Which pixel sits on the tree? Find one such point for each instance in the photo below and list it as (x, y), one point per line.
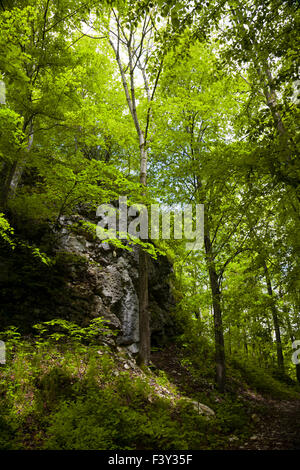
(260, 43)
(36, 52)
(132, 40)
(199, 166)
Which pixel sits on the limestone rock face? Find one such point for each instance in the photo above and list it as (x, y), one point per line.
(88, 279)
(105, 284)
(116, 288)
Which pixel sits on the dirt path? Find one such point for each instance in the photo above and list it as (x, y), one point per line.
(277, 428)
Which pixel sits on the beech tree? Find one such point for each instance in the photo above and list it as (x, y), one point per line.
(34, 51)
(176, 103)
(131, 38)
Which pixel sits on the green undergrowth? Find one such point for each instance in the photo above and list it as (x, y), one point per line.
(197, 355)
(268, 382)
(61, 389)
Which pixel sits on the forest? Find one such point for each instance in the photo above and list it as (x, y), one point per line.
(149, 225)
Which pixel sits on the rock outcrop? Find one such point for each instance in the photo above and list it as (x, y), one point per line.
(88, 279)
(108, 282)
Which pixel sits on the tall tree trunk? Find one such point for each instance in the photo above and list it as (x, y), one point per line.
(288, 146)
(245, 341)
(292, 336)
(144, 320)
(280, 360)
(216, 300)
(271, 101)
(15, 171)
(229, 340)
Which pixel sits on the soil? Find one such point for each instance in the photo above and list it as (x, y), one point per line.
(276, 422)
(278, 429)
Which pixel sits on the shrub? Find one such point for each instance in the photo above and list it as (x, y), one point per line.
(263, 382)
(121, 416)
(53, 387)
(7, 431)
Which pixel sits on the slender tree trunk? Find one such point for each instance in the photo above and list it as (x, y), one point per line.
(216, 300)
(288, 146)
(292, 336)
(271, 101)
(144, 323)
(245, 341)
(298, 372)
(229, 340)
(144, 320)
(15, 171)
(144, 317)
(297, 321)
(280, 360)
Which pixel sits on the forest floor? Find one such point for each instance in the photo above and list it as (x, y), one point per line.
(277, 422)
(278, 429)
